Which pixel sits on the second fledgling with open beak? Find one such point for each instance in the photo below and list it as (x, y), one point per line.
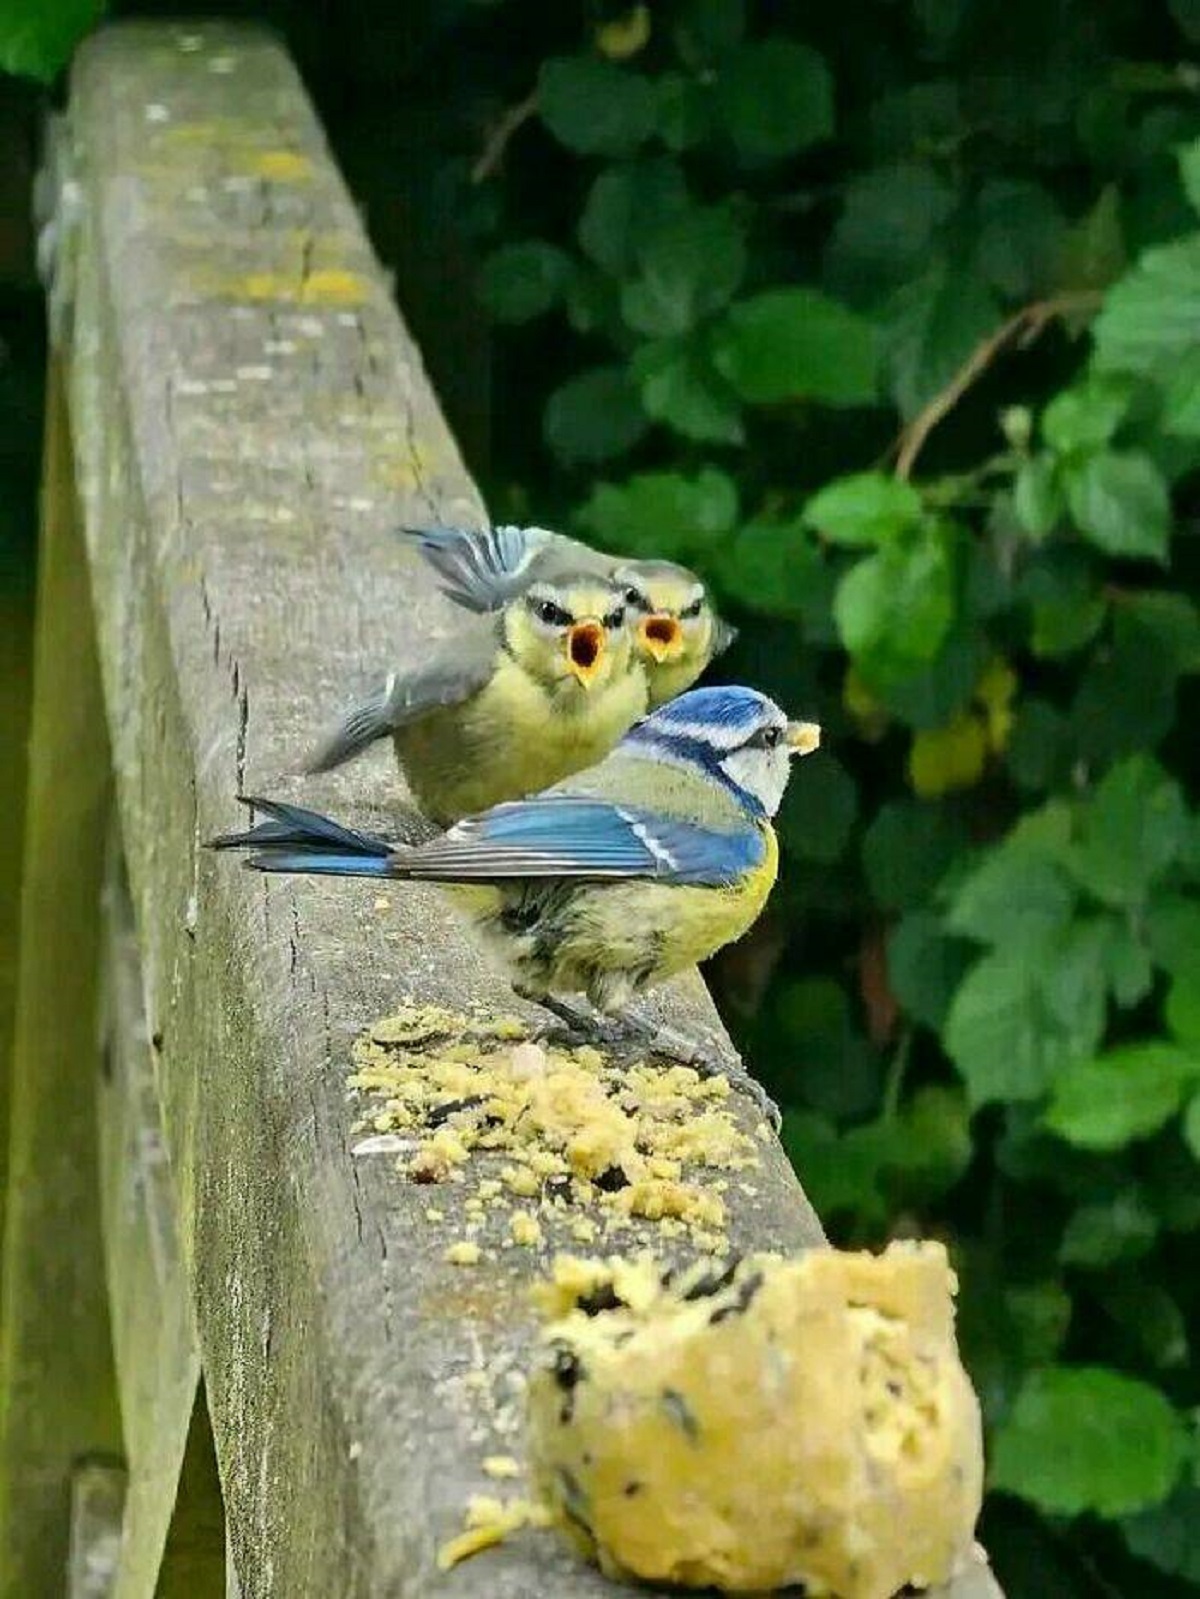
(677, 631)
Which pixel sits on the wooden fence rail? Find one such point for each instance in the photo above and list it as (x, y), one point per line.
(237, 418)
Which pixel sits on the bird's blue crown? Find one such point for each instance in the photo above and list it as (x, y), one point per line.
(700, 728)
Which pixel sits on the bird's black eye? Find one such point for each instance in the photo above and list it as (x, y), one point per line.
(550, 613)
(615, 619)
(636, 598)
(771, 737)
(694, 608)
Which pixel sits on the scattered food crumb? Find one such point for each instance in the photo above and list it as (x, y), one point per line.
(502, 1466)
(488, 1522)
(524, 1229)
(464, 1252)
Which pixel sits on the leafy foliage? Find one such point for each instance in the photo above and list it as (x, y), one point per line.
(907, 304)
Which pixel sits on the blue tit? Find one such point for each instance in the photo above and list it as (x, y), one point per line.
(513, 702)
(676, 630)
(611, 881)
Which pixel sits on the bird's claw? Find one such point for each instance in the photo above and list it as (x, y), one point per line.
(630, 1032)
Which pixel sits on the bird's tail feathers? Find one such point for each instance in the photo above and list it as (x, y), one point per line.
(297, 840)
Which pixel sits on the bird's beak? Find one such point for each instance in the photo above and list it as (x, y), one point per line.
(803, 737)
(585, 650)
(661, 636)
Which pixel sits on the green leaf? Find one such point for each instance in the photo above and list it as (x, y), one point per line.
(36, 38)
(1066, 599)
(685, 111)
(1189, 171)
(1088, 1439)
(1013, 896)
(1119, 501)
(1168, 1536)
(1038, 498)
(689, 266)
(1182, 1010)
(1126, 699)
(818, 811)
(931, 326)
(1181, 398)
(1173, 930)
(886, 228)
(1099, 1235)
(894, 608)
(680, 387)
(1093, 251)
(1020, 236)
(1127, 962)
(595, 107)
(1150, 318)
(1023, 1014)
(1039, 753)
(797, 344)
(1191, 1126)
(624, 205)
(1086, 417)
(925, 967)
(662, 514)
(867, 508)
(1132, 829)
(522, 281)
(775, 567)
(1126, 1094)
(1146, 1313)
(594, 416)
(907, 850)
(775, 97)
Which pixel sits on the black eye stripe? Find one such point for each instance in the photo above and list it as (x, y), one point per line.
(614, 619)
(694, 608)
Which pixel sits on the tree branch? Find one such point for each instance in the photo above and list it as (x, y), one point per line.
(1021, 329)
(493, 150)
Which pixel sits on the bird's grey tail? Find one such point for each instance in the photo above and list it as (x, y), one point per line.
(296, 840)
(365, 724)
(480, 568)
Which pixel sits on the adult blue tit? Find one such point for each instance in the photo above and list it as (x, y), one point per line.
(676, 630)
(511, 703)
(616, 878)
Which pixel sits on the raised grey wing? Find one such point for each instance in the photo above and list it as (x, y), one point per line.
(460, 670)
(480, 568)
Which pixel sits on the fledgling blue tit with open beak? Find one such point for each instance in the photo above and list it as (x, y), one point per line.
(614, 879)
(676, 630)
(513, 702)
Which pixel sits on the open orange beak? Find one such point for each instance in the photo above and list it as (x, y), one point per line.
(585, 650)
(803, 737)
(661, 636)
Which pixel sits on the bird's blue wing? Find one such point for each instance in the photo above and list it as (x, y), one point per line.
(480, 568)
(571, 836)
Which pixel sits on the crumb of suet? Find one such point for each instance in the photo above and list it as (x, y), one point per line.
(527, 1121)
(488, 1522)
(760, 1424)
(464, 1252)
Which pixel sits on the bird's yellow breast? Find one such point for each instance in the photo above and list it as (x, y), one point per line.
(515, 737)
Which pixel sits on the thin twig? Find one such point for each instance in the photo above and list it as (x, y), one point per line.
(497, 140)
(1022, 328)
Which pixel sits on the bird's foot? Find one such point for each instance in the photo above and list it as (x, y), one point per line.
(632, 1032)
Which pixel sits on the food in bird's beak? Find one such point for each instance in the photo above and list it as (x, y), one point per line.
(803, 737)
(661, 636)
(585, 650)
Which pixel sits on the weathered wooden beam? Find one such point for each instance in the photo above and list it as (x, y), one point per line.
(250, 420)
(57, 1397)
